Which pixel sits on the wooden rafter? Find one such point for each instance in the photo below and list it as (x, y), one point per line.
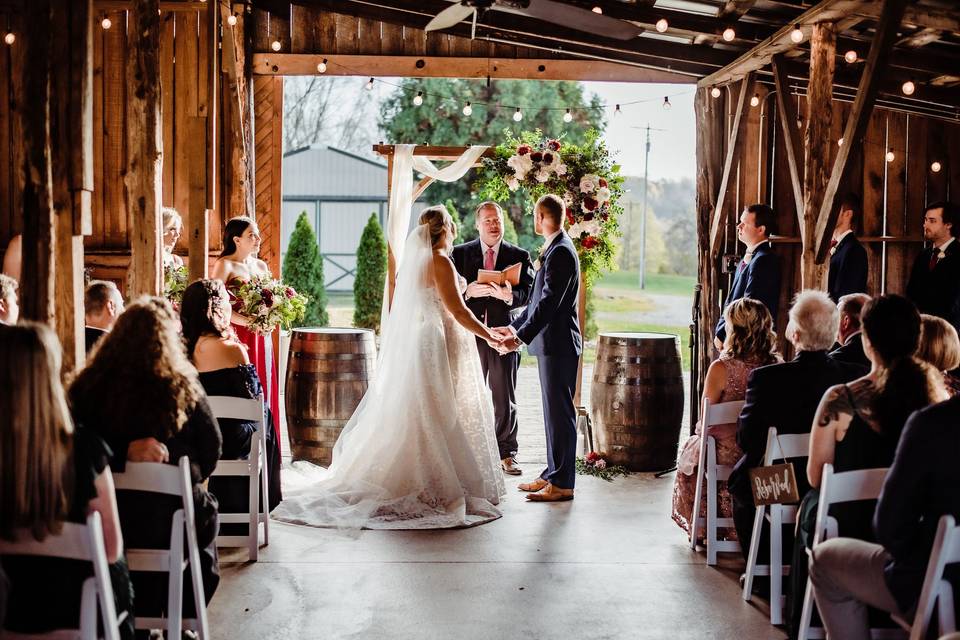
(890, 18)
(787, 115)
(734, 147)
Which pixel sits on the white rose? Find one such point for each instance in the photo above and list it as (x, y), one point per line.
(513, 183)
(592, 227)
(568, 198)
(575, 230)
(588, 183)
(603, 194)
(561, 169)
(542, 176)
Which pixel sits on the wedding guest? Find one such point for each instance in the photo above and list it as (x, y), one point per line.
(849, 346)
(225, 370)
(172, 230)
(940, 346)
(786, 396)
(848, 258)
(53, 472)
(750, 343)
(934, 284)
(13, 257)
(102, 305)
(849, 575)
(142, 395)
(758, 275)
(858, 424)
(9, 304)
(496, 306)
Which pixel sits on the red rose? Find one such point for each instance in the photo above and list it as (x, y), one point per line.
(589, 242)
(588, 217)
(536, 156)
(590, 204)
(602, 182)
(604, 216)
(570, 219)
(548, 158)
(592, 457)
(290, 292)
(553, 145)
(523, 149)
(267, 297)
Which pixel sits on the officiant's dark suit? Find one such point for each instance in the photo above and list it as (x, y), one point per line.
(848, 268)
(500, 371)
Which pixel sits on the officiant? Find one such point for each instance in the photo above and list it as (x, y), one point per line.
(496, 306)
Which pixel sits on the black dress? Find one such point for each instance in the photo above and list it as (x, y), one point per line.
(45, 592)
(233, 493)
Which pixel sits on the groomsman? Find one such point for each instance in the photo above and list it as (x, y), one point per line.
(848, 258)
(496, 306)
(934, 284)
(758, 274)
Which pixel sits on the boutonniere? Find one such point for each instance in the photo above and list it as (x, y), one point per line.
(833, 249)
(536, 264)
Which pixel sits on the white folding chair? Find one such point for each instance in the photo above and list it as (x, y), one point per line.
(782, 447)
(75, 542)
(175, 481)
(708, 470)
(255, 468)
(837, 488)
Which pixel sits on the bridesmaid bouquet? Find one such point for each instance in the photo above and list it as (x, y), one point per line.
(174, 282)
(269, 304)
(595, 464)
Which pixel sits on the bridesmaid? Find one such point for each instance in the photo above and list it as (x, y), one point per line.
(237, 264)
(172, 230)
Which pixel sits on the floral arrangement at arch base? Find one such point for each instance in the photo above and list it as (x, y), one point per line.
(595, 464)
(584, 176)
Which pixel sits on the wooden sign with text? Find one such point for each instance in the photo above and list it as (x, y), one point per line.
(775, 484)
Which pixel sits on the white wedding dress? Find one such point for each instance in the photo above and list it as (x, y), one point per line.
(420, 450)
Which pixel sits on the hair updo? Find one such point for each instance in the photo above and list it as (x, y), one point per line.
(436, 218)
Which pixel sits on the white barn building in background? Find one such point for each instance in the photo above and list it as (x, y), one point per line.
(338, 190)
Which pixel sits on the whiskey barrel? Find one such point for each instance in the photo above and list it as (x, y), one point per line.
(636, 399)
(328, 371)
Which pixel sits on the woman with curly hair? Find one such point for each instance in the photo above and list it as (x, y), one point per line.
(750, 343)
(142, 396)
(940, 347)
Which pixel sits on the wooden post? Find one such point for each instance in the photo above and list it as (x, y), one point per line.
(816, 147)
(787, 115)
(391, 259)
(734, 147)
(237, 122)
(198, 216)
(144, 147)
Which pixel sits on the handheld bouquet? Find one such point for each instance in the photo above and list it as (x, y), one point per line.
(174, 282)
(269, 304)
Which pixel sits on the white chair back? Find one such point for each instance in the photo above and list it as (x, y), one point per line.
(720, 413)
(75, 542)
(937, 591)
(786, 446)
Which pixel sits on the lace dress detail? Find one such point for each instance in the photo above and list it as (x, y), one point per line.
(684, 488)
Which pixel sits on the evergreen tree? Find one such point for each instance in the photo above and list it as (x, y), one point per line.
(303, 270)
(371, 274)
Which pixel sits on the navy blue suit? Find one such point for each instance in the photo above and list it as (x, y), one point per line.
(550, 328)
(937, 292)
(848, 268)
(759, 279)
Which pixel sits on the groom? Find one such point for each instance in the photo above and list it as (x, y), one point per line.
(551, 330)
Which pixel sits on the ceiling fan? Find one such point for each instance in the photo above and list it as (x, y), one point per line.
(566, 15)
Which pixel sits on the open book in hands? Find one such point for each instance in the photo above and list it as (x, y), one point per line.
(511, 274)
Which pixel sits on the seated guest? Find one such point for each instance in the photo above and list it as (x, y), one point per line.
(102, 304)
(934, 284)
(849, 337)
(758, 275)
(750, 343)
(940, 346)
(142, 395)
(786, 396)
(848, 258)
(850, 575)
(858, 424)
(9, 306)
(172, 230)
(225, 370)
(13, 257)
(53, 473)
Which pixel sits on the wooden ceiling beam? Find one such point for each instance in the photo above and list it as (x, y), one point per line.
(735, 9)
(933, 18)
(920, 38)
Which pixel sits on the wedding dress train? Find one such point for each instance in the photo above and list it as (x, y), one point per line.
(420, 450)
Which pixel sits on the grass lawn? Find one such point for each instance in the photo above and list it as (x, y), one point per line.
(628, 281)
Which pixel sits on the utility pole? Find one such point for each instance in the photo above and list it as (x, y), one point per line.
(643, 214)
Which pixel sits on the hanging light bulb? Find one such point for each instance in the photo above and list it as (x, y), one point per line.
(662, 25)
(666, 103)
(715, 92)
(467, 109)
(935, 166)
(617, 111)
(10, 38)
(729, 34)
(322, 67)
(850, 56)
(275, 45)
(890, 155)
(598, 9)
(568, 117)
(517, 115)
(908, 88)
(369, 85)
(797, 34)
(232, 20)
(418, 99)
(106, 23)
(755, 100)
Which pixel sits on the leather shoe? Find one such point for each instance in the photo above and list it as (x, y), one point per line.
(509, 466)
(551, 493)
(536, 485)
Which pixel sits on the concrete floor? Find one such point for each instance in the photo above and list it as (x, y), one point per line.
(610, 564)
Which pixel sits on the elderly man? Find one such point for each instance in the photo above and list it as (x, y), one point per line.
(9, 308)
(850, 334)
(102, 304)
(786, 396)
(496, 306)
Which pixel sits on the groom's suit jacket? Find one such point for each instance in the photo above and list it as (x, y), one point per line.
(468, 260)
(549, 326)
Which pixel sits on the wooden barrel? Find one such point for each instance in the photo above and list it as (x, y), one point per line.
(328, 371)
(636, 399)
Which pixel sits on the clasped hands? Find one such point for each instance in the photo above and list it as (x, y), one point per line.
(477, 290)
(507, 340)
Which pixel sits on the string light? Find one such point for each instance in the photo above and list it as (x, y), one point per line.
(467, 110)
(890, 155)
(617, 111)
(369, 85)
(908, 88)
(935, 167)
(106, 23)
(322, 67)
(666, 103)
(10, 38)
(232, 20)
(850, 56)
(840, 142)
(517, 115)
(797, 34)
(275, 45)
(568, 117)
(715, 92)
(662, 25)
(418, 99)
(598, 9)
(729, 34)
(755, 100)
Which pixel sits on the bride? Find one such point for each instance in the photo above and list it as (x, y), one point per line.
(420, 451)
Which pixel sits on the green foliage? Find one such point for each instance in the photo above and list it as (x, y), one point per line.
(590, 328)
(510, 231)
(371, 273)
(303, 270)
(452, 210)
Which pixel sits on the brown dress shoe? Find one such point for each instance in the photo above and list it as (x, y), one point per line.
(551, 494)
(536, 485)
(510, 467)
